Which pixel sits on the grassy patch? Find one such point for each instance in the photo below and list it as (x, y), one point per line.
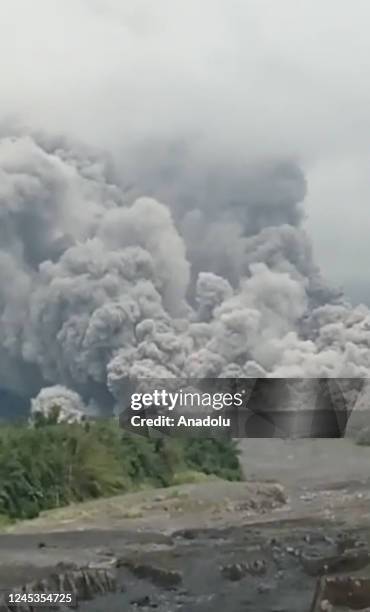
(191, 476)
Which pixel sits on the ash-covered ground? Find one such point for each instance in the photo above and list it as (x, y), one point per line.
(247, 546)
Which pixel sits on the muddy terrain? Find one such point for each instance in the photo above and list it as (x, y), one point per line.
(245, 546)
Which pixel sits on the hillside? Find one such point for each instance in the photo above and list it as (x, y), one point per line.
(50, 466)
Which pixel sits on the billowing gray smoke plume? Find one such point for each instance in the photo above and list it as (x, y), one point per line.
(165, 267)
(58, 403)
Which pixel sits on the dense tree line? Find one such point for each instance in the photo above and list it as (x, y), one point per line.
(47, 465)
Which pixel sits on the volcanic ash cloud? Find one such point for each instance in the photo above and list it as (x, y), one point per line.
(209, 274)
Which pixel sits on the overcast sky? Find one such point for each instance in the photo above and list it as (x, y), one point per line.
(250, 78)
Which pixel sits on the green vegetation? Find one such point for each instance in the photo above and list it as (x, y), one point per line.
(213, 456)
(49, 466)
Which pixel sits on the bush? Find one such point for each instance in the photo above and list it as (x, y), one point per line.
(53, 465)
(191, 477)
(213, 456)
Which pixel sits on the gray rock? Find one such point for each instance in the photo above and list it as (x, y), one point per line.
(161, 577)
(234, 571)
(257, 567)
(347, 561)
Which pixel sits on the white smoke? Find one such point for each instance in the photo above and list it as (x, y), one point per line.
(102, 285)
(58, 402)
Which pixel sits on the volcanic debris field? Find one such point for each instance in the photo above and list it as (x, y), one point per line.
(255, 545)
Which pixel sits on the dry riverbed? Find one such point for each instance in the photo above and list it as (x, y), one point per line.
(196, 548)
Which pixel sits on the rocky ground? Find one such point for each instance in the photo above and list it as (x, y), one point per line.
(248, 546)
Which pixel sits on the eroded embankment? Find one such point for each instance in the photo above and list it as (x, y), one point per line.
(269, 567)
(83, 584)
